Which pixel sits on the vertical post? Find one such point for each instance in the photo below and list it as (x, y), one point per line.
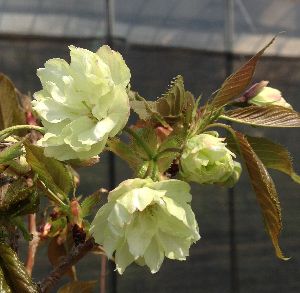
(110, 20)
(228, 44)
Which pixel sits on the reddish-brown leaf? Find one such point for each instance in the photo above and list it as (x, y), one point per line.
(237, 83)
(267, 116)
(265, 190)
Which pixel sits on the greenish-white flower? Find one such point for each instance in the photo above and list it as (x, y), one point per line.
(269, 96)
(145, 221)
(207, 160)
(235, 175)
(83, 103)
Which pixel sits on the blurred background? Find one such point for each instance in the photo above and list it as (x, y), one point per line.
(203, 40)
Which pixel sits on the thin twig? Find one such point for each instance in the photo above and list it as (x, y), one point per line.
(33, 244)
(75, 255)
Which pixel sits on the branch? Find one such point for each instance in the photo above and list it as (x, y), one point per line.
(75, 255)
(33, 244)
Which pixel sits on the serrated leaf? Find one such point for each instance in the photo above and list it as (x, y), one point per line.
(169, 150)
(265, 190)
(146, 110)
(53, 173)
(11, 152)
(4, 287)
(11, 194)
(148, 135)
(10, 110)
(15, 270)
(90, 202)
(27, 206)
(273, 156)
(267, 116)
(124, 151)
(78, 286)
(171, 104)
(236, 83)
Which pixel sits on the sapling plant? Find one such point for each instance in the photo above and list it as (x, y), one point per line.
(81, 111)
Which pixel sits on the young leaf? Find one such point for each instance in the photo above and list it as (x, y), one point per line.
(236, 83)
(146, 110)
(171, 104)
(124, 151)
(53, 173)
(10, 111)
(265, 190)
(78, 286)
(273, 156)
(169, 150)
(11, 152)
(90, 202)
(19, 222)
(11, 194)
(267, 116)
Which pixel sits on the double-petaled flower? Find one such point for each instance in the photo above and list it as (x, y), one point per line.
(145, 221)
(83, 103)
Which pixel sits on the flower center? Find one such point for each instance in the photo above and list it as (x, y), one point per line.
(90, 114)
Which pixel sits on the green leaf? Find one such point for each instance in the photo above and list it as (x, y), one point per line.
(124, 151)
(10, 110)
(18, 221)
(4, 287)
(90, 202)
(236, 83)
(148, 136)
(146, 110)
(169, 150)
(53, 173)
(265, 190)
(17, 274)
(11, 152)
(78, 286)
(176, 105)
(11, 194)
(273, 156)
(267, 116)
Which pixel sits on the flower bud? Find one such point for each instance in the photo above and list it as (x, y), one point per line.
(269, 96)
(145, 221)
(206, 160)
(260, 94)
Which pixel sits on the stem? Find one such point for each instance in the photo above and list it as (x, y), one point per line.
(33, 244)
(103, 274)
(51, 195)
(75, 255)
(140, 142)
(8, 131)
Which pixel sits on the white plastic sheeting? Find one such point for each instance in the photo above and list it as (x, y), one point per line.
(197, 24)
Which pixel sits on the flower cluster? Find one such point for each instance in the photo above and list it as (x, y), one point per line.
(145, 221)
(83, 103)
